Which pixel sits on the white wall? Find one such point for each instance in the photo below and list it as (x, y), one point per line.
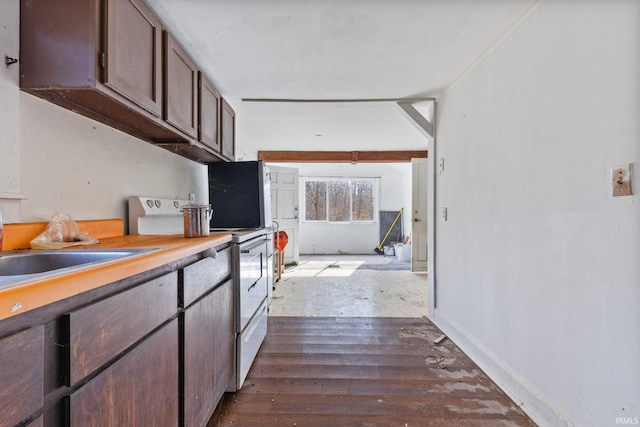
(538, 272)
(61, 161)
(395, 193)
(9, 113)
(76, 165)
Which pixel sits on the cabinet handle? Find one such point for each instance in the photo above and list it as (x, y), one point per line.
(251, 249)
(211, 253)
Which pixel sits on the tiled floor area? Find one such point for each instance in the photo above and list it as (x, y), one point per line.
(350, 286)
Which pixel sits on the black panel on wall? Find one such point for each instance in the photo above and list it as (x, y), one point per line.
(386, 219)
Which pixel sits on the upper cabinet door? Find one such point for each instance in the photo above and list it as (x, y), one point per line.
(181, 88)
(209, 110)
(228, 132)
(133, 62)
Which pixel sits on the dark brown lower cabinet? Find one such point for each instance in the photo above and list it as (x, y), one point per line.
(208, 353)
(224, 338)
(100, 331)
(140, 389)
(152, 350)
(21, 375)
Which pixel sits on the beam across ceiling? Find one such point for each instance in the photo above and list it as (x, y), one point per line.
(418, 119)
(339, 100)
(341, 156)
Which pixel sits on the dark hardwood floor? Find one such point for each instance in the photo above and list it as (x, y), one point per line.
(346, 371)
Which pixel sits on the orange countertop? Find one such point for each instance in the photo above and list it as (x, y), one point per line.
(21, 298)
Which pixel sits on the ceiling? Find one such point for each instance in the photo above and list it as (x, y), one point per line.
(259, 53)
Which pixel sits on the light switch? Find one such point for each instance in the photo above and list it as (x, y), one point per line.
(444, 214)
(621, 180)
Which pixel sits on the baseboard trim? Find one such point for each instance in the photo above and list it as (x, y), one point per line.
(540, 409)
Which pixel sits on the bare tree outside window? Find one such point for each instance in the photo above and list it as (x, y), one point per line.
(315, 196)
(362, 200)
(340, 200)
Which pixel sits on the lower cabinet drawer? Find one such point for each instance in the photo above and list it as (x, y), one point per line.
(202, 276)
(141, 389)
(103, 330)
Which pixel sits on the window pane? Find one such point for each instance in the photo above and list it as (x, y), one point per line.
(362, 200)
(339, 201)
(315, 195)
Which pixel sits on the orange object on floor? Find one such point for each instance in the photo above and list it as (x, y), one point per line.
(280, 240)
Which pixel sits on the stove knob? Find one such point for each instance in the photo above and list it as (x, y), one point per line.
(176, 204)
(158, 204)
(150, 203)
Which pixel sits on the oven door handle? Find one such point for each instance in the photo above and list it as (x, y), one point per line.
(251, 249)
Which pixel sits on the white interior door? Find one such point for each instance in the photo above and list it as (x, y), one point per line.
(419, 215)
(284, 207)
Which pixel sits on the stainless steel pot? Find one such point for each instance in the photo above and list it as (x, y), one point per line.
(196, 219)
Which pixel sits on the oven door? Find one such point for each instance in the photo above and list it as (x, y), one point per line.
(253, 280)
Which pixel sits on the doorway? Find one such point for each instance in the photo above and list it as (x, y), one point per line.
(285, 208)
(338, 273)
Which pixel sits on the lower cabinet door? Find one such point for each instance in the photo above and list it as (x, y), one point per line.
(21, 375)
(140, 389)
(225, 339)
(208, 354)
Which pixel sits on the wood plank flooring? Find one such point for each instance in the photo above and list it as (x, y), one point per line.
(360, 371)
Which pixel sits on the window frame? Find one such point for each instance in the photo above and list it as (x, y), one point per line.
(376, 199)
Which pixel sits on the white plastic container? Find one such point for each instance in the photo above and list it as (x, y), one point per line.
(403, 252)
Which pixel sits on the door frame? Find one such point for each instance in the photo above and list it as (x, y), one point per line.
(432, 173)
(293, 245)
(419, 195)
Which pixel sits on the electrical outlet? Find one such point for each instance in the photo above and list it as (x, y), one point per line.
(621, 180)
(444, 214)
(192, 197)
(441, 165)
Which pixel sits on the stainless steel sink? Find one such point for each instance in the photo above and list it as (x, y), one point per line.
(18, 267)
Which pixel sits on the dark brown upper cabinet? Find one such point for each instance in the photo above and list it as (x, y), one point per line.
(132, 54)
(209, 112)
(104, 63)
(228, 131)
(181, 88)
(104, 59)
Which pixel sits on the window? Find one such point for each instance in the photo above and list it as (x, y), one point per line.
(315, 196)
(339, 200)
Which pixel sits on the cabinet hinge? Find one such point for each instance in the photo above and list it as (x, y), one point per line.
(101, 60)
